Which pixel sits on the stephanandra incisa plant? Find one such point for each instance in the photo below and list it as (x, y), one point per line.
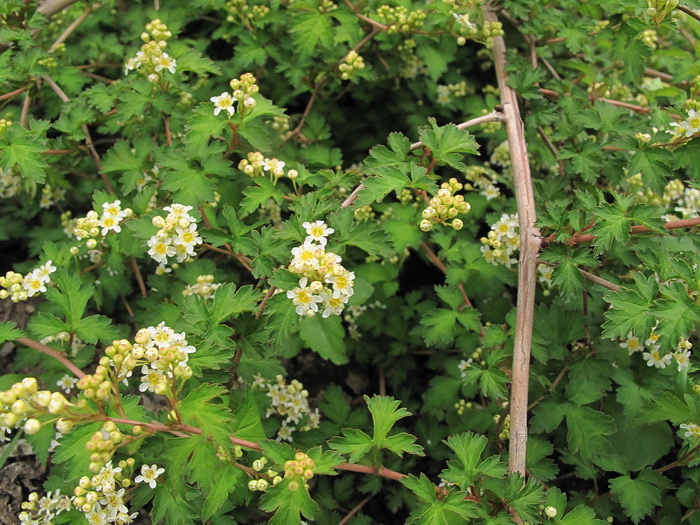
(221, 309)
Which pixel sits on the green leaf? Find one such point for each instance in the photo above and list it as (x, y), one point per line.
(469, 466)
(9, 332)
(282, 317)
(655, 166)
(354, 442)
(631, 309)
(70, 296)
(226, 481)
(365, 235)
(434, 509)
(639, 496)
(258, 195)
(229, 302)
(440, 326)
(289, 505)
(448, 143)
(326, 337)
(310, 30)
(247, 423)
(385, 413)
(96, 328)
(131, 164)
(24, 151)
(197, 409)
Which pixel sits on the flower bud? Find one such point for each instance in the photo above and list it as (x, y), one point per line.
(426, 225)
(457, 224)
(32, 426)
(550, 512)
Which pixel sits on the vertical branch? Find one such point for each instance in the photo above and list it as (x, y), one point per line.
(527, 265)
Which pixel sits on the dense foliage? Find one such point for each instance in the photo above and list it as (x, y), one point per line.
(256, 297)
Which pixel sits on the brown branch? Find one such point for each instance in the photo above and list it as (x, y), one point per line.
(263, 303)
(51, 7)
(74, 25)
(599, 280)
(13, 93)
(25, 110)
(529, 248)
(59, 356)
(441, 266)
(88, 138)
(307, 110)
(680, 461)
(168, 136)
(215, 249)
(366, 469)
(355, 509)
(351, 198)
(688, 12)
(57, 151)
(670, 225)
(139, 278)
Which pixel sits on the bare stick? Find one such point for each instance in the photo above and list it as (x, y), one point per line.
(74, 25)
(599, 280)
(13, 93)
(25, 110)
(688, 12)
(355, 509)
(529, 248)
(139, 279)
(351, 198)
(51, 7)
(59, 356)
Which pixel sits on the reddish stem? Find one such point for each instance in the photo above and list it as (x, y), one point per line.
(59, 356)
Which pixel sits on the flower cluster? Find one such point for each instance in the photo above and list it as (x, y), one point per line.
(205, 287)
(461, 406)
(503, 241)
(10, 183)
(445, 92)
(177, 236)
(4, 124)
(257, 164)
(261, 484)
(241, 11)
(654, 356)
(243, 90)
(152, 58)
(353, 314)
(20, 287)
(95, 227)
(681, 200)
(692, 431)
(484, 179)
(42, 510)
(544, 276)
(324, 280)
(51, 196)
(102, 445)
(291, 402)
(399, 19)
(103, 497)
(350, 65)
(24, 403)
(301, 468)
(445, 206)
(659, 9)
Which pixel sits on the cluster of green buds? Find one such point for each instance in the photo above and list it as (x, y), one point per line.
(489, 31)
(660, 9)
(4, 124)
(102, 445)
(241, 11)
(10, 182)
(97, 386)
(48, 62)
(301, 468)
(20, 287)
(462, 405)
(225, 457)
(350, 65)
(152, 58)
(243, 90)
(280, 123)
(505, 426)
(51, 196)
(24, 403)
(650, 38)
(205, 287)
(263, 481)
(462, 4)
(446, 92)
(326, 6)
(445, 206)
(399, 20)
(364, 213)
(257, 164)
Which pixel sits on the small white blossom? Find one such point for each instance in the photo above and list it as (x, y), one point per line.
(149, 475)
(223, 102)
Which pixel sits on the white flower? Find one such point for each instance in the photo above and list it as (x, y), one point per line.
(632, 343)
(150, 379)
(149, 475)
(166, 62)
(67, 383)
(285, 432)
(95, 517)
(463, 20)
(114, 209)
(655, 359)
(223, 101)
(161, 249)
(303, 298)
(109, 222)
(34, 283)
(131, 64)
(305, 256)
(188, 237)
(490, 192)
(342, 284)
(692, 124)
(333, 305)
(682, 358)
(45, 271)
(317, 232)
(692, 430)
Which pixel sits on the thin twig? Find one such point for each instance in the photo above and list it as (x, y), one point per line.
(263, 303)
(74, 25)
(351, 198)
(529, 248)
(51, 7)
(441, 266)
(688, 12)
(59, 356)
(670, 225)
(307, 110)
(13, 93)
(494, 116)
(355, 509)
(168, 135)
(25, 110)
(599, 280)
(139, 278)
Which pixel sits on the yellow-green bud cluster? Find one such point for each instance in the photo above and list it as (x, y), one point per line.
(20, 287)
(205, 287)
(326, 6)
(24, 403)
(502, 241)
(444, 207)
(406, 197)
(103, 493)
(225, 457)
(280, 123)
(650, 38)
(102, 445)
(301, 469)
(50, 196)
(257, 164)
(501, 155)
(399, 19)
(461, 406)
(350, 65)
(446, 92)
(484, 179)
(152, 58)
(489, 31)
(271, 477)
(505, 427)
(10, 182)
(462, 4)
(660, 9)
(97, 386)
(364, 213)
(44, 509)
(241, 11)
(4, 124)
(243, 90)
(49, 62)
